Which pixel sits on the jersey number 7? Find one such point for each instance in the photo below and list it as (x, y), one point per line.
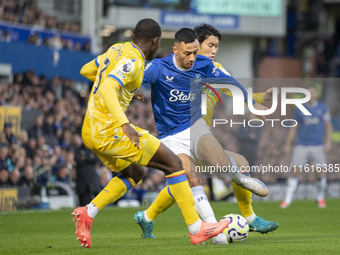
(106, 64)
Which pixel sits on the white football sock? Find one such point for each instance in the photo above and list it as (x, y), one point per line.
(202, 205)
(251, 218)
(146, 217)
(92, 210)
(292, 183)
(195, 227)
(322, 186)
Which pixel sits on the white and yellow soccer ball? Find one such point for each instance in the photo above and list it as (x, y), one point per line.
(238, 228)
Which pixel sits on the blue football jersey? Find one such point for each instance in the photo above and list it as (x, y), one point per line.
(177, 105)
(311, 128)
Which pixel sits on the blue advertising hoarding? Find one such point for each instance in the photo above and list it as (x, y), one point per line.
(188, 19)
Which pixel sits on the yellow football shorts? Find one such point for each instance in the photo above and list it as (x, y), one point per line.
(117, 152)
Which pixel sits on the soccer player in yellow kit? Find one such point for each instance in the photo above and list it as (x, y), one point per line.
(209, 39)
(123, 147)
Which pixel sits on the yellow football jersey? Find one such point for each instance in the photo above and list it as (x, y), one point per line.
(125, 64)
(211, 101)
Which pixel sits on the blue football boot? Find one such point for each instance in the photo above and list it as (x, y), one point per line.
(262, 226)
(146, 227)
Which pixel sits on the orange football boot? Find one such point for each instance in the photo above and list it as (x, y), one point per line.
(208, 230)
(83, 224)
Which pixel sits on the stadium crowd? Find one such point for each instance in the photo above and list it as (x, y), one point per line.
(46, 152)
(28, 13)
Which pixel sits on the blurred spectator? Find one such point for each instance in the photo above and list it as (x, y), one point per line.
(6, 36)
(56, 43)
(77, 46)
(26, 180)
(88, 185)
(9, 134)
(34, 39)
(49, 130)
(36, 131)
(86, 47)
(5, 160)
(14, 178)
(63, 173)
(30, 147)
(4, 174)
(22, 137)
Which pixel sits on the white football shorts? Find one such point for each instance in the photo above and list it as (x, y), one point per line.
(186, 141)
(308, 154)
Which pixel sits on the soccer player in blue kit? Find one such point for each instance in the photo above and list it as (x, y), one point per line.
(176, 106)
(122, 147)
(313, 141)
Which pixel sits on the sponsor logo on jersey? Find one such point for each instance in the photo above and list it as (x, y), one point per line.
(169, 79)
(119, 73)
(311, 121)
(180, 96)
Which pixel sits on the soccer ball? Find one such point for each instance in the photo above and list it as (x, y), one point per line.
(237, 230)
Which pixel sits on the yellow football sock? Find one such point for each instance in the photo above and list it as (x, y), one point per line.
(179, 188)
(114, 190)
(243, 197)
(163, 201)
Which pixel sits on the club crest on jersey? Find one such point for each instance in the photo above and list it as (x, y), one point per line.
(126, 67)
(198, 78)
(216, 71)
(169, 79)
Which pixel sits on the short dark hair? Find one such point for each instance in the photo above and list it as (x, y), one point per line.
(203, 31)
(147, 29)
(186, 35)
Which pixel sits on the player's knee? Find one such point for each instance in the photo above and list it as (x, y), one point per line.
(193, 182)
(175, 165)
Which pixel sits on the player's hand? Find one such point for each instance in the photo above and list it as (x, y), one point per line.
(268, 95)
(139, 97)
(261, 107)
(132, 134)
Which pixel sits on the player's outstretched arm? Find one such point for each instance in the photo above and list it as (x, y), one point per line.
(89, 70)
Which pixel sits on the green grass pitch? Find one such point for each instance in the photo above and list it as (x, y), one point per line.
(304, 229)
